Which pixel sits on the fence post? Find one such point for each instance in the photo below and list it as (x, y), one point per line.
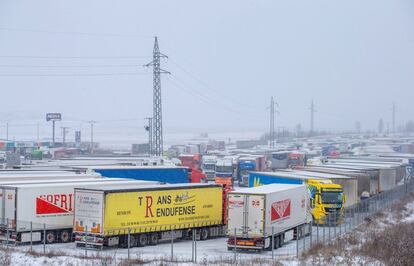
(7, 231)
(172, 243)
(129, 241)
(44, 238)
(273, 242)
(317, 232)
(195, 245)
(86, 242)
(310, 236)
(235, 245)
(192, 246)
(329, 229)
(31, 236)
(323, 229)
(297, 241)
(302, 228)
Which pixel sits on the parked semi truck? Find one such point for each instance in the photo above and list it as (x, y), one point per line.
(49, 207)
(258, 215)
(192, 161)
(208, 166)
(224, 172)
(327, 199)
(249, 164)
(104, 216)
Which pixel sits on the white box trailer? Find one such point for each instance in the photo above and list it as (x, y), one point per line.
(49, 181)
(349, 184)
(45, 207)
(47, 176)
(259, 215)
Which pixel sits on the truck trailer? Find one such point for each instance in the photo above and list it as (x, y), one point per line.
(44, 208)
(165, 174)
(259, 217)
(327, 198)
(104, 216)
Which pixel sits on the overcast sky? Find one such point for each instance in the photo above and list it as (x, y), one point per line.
(227, 58)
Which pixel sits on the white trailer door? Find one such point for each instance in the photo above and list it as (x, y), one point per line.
(236, 214)
(255, 215)
(89, 214)
(10, 206)
(245, 215)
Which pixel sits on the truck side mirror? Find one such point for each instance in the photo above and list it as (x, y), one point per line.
(312, 203)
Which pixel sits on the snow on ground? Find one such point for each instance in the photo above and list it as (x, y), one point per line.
(209, 251)
(409, 213)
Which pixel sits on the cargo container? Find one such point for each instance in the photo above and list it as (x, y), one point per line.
(387, 174)
(349, 184)
(363, 179)
(44, 206)
(165, 174)
(104, 216)
(258, 215)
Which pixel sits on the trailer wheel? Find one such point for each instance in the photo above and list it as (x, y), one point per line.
(276, 245)
(64, 236)
(142, 240)
(153, 239)
(282, 240)
(50, 237)
(204, 233)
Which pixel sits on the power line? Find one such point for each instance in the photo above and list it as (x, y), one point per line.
(77, 33)
(74, 57)
(208, 100)
(194, 77)
(73, 75)
(67, 66)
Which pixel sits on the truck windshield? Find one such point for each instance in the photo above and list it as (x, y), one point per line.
(224, 169)
(209, 166)
(332, 197)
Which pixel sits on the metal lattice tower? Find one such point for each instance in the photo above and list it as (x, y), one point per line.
(393, 118)
(312, 109)
(272, 123)
(157, 141)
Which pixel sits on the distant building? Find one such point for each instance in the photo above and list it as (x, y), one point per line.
(142, 148)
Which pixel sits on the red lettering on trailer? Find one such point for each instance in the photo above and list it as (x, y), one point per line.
(63, 203)
(148, 207)
(280, 210)
(70, 202)
(54, 204)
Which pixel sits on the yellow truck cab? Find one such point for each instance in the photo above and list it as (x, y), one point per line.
(327, 201)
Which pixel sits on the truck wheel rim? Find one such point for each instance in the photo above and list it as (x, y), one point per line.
(50, 238)
(64, 236)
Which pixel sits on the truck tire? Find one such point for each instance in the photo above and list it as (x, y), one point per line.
(282, 240)
(142, 240)
(50, 237)
(153, 239)
(65, 236)
(277, 242)
(204, 233)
